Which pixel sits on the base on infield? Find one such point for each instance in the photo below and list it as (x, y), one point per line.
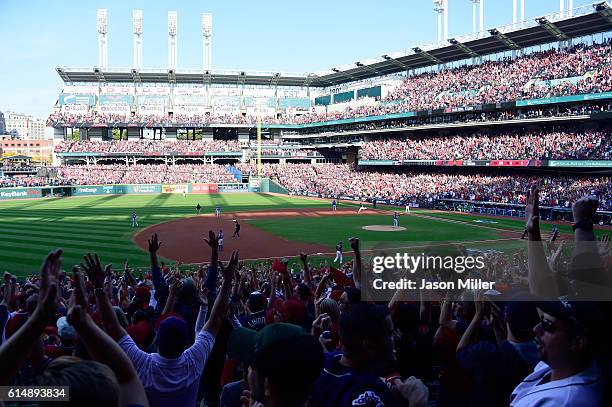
(384, 228)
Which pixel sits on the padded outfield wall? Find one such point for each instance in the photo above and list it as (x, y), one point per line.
(264, 185)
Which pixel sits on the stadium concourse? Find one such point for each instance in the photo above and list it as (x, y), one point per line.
(523, 135)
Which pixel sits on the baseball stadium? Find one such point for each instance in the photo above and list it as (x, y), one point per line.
(496, 145)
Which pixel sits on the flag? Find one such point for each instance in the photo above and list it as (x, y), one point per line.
(340, 278)
(279, 266)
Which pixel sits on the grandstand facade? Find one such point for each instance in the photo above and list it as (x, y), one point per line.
(519, 99)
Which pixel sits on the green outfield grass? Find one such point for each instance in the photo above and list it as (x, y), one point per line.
(502, 223)
(31, 228)
(333, 229)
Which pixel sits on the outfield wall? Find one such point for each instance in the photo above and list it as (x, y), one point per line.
(20, 193)
(255, 185)
(268, 185)
(121, 189)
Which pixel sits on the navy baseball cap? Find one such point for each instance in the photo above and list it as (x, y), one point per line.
(256, 301)
(172, 335)
(586, 316)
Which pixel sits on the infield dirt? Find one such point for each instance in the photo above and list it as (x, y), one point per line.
(182, 239)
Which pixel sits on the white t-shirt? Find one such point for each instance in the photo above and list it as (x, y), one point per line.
(583, 389)
(171, 382)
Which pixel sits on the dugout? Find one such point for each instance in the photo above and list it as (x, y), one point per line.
(56, 192)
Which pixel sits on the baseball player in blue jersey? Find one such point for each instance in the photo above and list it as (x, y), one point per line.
(395, 219)
(217, 211)
(334, 205)
(134, 221)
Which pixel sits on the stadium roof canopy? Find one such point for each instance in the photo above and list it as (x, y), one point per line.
(586, 20)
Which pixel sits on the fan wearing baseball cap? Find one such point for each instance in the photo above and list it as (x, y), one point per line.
(567, 374)
(284, 363)
(172, 375)
(353, 378)
(256, 307)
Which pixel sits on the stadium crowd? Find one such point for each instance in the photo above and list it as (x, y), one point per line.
(303, 334)
(509, 79)
(545, 143)
(343, 180)
(175, 147)
(28, 181)
(148, 146)
(144, 174)
(468, 116)
(285, 152)
(581, 69)
(557, 144)
(94, 119)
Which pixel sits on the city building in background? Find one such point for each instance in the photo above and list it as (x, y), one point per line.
(39, 150)
(2, 124)
(24, 127)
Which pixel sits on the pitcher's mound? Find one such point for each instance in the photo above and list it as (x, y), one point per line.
(384, 228)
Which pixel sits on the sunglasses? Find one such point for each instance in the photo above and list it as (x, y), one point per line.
(547, 325)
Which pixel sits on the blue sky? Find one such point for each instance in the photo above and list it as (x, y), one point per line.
(295, 36)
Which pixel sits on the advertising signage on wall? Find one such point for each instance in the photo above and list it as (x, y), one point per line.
(116, 99)
(580, 163)
(460, 163)
(204, 188)
(94, 190)
(77, 99)
(144, 189)
(564, 99)
(238, 188)
(515, 163)
(20, 193)
(175, 189)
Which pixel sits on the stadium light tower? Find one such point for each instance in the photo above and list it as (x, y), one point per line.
(441, 7)
(137, 31)
(522, 13)
(563, 10)
(207, 40)
(172, 28)
(477, 4)
(102, 18)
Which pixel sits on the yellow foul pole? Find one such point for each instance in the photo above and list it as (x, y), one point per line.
(259, 143)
